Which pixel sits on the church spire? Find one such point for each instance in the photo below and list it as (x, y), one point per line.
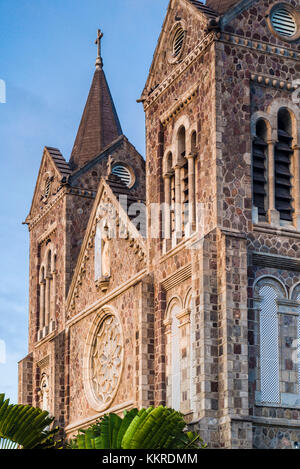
(100, 124)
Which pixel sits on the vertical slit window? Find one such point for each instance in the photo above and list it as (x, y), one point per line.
(283, 160)
(259, 164)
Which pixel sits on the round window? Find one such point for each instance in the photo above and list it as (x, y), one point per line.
(123, 173)
(178, 42)
(284, 22)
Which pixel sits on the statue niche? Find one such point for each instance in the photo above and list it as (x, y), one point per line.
(102, 256)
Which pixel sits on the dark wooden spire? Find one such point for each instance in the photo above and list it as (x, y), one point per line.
(100, 124)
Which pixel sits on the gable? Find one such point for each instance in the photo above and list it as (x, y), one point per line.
(127, 251)
(53, 170)
(194, 19)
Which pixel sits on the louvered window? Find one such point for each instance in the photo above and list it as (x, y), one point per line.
(123, 173)
(178, 42)
(47, 188)
(283, 176)
(259, 164)
(283, 22)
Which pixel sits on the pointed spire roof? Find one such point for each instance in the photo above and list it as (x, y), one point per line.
(100, 124)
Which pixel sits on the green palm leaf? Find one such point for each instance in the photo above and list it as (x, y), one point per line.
(25, 427)
(152, 428)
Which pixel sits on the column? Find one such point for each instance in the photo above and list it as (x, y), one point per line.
(167, 211)
(47, 301)
(178, 230)
(192, 192)
(53, 301)
(296, 188)
(42, 304)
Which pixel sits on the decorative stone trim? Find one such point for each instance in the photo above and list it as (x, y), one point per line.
(44, 237)
(45, 339)
(44, 362)
(83, 423)
(186, 99)
(176, 279)
(275, 262)
(66, 190)
(273, 82)
(184, 317)
(197, 52)
(102, 284)
(259, 45)
(106, 299)
(125, 226)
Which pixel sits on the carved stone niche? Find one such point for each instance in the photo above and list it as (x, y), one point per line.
(102, 284)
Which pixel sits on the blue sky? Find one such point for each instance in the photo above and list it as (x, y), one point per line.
(47, 57)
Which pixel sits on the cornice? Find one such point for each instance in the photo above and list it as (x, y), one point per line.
(66, 190)
(224, 37)
(260, 46)
(273, 82)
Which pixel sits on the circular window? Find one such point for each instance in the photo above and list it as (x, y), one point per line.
(284, 22)
(178, 42)
(123, 173)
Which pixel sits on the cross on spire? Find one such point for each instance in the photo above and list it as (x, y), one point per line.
(99, 61)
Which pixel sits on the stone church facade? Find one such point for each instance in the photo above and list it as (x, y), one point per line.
(176, 281)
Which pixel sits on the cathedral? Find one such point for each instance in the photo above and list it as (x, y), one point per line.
(175, 280)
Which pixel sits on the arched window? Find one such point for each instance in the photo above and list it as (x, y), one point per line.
(269, 347)
(47, 294)
(173, 378)
(178, 348)
(283, 170)
(259, 168)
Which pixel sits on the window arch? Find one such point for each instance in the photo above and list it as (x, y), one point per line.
(259, 168)
(283, 166)
(178, 353)
(278, 366)
(47, 293)
(269, 291)
(180, 183)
